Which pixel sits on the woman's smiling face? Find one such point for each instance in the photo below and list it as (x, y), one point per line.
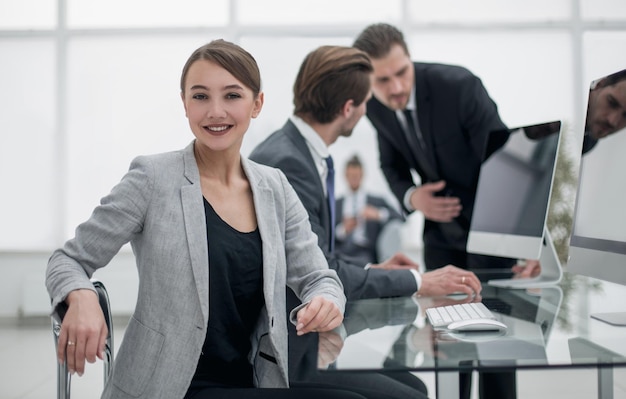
(218, 106)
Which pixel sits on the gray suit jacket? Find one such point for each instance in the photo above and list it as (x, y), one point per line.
(287, 150)
(158, 208)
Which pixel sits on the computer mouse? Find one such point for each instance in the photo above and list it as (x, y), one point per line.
(477, 325)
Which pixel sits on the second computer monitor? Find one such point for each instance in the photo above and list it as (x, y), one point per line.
(513, 195)
(598, 241)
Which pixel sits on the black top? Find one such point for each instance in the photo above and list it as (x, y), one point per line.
(235, 301)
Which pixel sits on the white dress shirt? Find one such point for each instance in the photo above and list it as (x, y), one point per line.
(317, 147)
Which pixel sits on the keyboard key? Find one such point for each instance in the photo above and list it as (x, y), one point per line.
(462, 312)
(445, 315)
(482, 310)
(454, 314)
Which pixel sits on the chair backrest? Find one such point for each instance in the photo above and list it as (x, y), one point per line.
(64, 378)
(389, 240)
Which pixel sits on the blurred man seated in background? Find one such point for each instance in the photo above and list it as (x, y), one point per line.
(362, 217)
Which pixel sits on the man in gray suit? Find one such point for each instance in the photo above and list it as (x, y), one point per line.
(330, 95)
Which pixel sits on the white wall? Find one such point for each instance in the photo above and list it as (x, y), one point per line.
(23, 293)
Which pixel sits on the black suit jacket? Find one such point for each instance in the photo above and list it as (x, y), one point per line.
(456, 116)
(373, 228)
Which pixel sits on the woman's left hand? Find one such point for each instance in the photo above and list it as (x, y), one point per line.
(320, 314)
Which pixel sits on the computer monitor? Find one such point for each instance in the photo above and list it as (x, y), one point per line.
(598, 239)
(512, 199)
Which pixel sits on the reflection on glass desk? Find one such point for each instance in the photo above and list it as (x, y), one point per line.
(547, 328)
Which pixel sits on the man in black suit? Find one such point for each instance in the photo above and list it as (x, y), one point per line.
(330, 95)
(361, 217)
(436, 120)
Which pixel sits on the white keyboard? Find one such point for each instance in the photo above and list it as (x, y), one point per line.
(442, 316)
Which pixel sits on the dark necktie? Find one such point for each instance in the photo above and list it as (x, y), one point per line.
(413, 132)
(330, 189)
(418, 145)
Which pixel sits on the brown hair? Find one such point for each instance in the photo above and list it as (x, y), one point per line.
(612, 79)
(377, 39)
(328, 77)
(231, 57)
(354, 162)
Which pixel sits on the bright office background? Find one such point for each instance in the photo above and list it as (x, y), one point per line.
(86, 85)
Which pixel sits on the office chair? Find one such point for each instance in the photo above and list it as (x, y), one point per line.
(64, 378)
(389, 241)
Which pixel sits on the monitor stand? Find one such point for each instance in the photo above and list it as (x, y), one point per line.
(551, 270)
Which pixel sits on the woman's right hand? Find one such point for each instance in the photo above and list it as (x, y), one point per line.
(83, 331)
(319, 315)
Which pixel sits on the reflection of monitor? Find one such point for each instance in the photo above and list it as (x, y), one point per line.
(529, 316)
(512, 198)
(598, 241)
(539, 306)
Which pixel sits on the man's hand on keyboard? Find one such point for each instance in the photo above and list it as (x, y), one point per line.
(449, 280)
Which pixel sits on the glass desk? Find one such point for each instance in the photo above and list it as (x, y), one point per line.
(547, 328)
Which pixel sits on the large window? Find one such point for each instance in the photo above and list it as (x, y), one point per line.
(89, 84)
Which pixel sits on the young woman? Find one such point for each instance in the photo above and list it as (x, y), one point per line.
(217, 238)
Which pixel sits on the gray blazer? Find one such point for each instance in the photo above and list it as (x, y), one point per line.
(158, 208)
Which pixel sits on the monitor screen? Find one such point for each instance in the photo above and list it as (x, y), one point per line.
(513, 194)
(598, 240)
